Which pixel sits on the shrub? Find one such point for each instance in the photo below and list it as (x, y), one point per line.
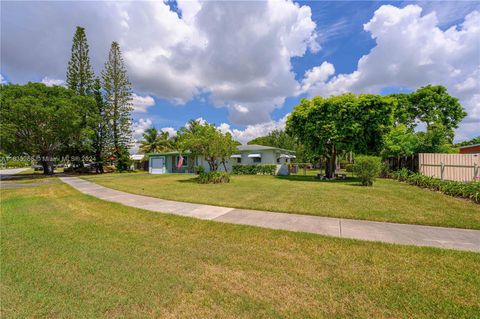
(199, 169)
(367, 168)
(214, 177)
(470, 190)
(251, 169)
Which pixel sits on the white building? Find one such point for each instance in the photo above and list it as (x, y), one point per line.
(162, 163)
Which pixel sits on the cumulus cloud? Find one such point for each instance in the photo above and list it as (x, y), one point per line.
(138, 128)
(142, 103)
(51, 82)
(2, 80)
(252, 131)
(411, 51)
(238, 54)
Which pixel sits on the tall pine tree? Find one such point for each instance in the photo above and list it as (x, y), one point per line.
(118, 103)
(80, 76)
(102, 138)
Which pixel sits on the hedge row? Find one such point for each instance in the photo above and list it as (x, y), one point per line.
(470, 190)
(252, 169)
(213, 177)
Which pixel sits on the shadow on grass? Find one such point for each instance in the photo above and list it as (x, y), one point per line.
(21, 177)
(311, 178)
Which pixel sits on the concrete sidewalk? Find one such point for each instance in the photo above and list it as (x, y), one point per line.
(9, 172)
(453, 238)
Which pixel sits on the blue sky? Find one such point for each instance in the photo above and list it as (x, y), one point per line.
(245, 65)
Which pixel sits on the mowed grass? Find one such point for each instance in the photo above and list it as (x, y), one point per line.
(387, 200)
(68, 255)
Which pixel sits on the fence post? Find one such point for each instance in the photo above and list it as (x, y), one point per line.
(442, 168)
(475, 171)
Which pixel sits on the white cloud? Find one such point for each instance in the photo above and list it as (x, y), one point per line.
(51, 82)
(253, 131)
(141, 103)
(2, 80)
(170, 130)
(138, 128)
(239, 54)
(412, 51)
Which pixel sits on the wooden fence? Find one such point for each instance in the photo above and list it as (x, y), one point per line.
(453, 167)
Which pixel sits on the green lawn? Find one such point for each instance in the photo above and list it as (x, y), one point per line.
(68, 255)
(387, 200)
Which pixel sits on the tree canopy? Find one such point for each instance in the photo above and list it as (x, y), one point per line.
(155, 141)
(208, 141)
(80, 76)
(41, 121)
(431, 105)
(343, 123)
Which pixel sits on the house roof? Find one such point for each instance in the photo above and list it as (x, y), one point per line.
(168, 153)
(468, 146)
(241, 148)
(256, 147)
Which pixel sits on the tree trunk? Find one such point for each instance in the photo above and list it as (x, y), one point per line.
(47, 167)
(225, 166)
(331, 163)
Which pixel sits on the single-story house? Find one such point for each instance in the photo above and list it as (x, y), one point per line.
(470, 149)
(162, 163)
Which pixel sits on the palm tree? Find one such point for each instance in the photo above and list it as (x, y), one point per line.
(155, 141)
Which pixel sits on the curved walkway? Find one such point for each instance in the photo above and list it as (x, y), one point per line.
(453, 238)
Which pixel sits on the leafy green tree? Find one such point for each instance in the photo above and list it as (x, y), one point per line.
(400, 141)
(276, 138)
(430, 105)
(40, 121)
(206, 140)
(340, 124)
(437, 139)
(80, 76)
(118, 99)
(155, 141)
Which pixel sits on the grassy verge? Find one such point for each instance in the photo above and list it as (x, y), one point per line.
(387, 200)
(67, 255)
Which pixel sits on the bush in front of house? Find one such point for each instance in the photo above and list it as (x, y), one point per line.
(468, 190)
(367, 168)
(214, 177)
(252, 169)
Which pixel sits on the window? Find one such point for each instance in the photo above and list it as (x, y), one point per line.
(257, 160)
(239, 160)
(278, 160)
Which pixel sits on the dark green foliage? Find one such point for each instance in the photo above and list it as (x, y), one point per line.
(367, 168)
(155, 141)
(469, 190)
(123, 160)
(340, 124)
(437, 139)
(206, 140)
(118, 99)
(214, 177)
(199, 169)
(430, 105)
(102, 136)
(80, 77)
(42, 121)
(254, 169)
